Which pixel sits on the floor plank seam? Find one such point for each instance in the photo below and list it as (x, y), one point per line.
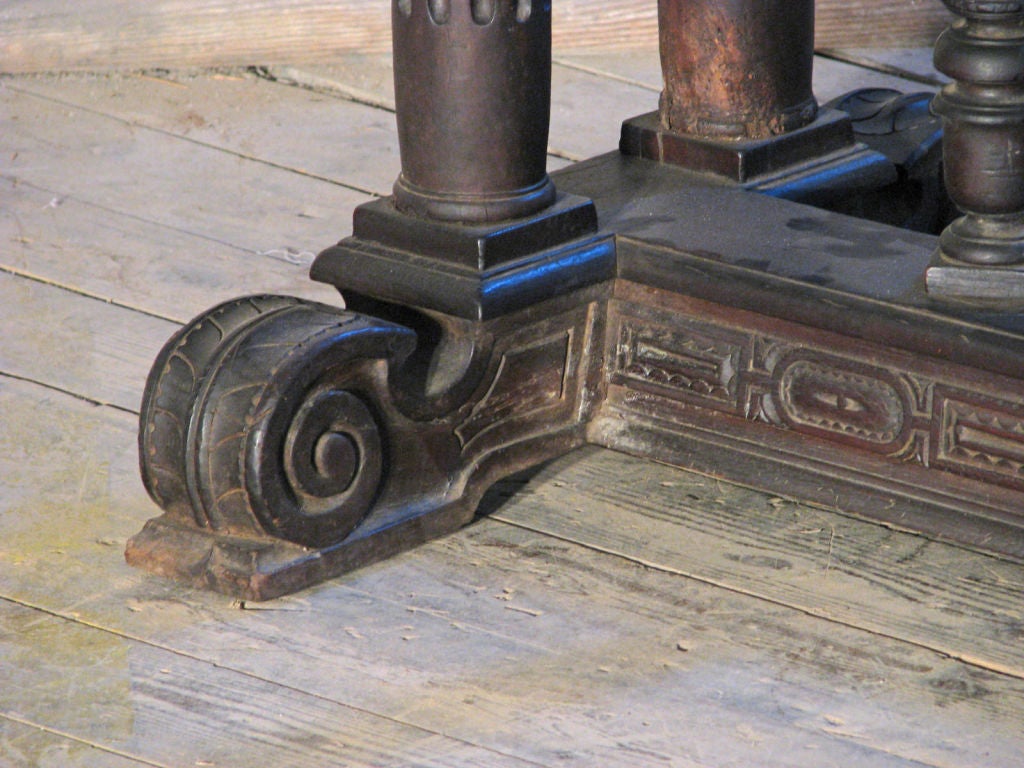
(24, 275)
(836, 510)
(295, 77)
(71, 618)
(577, 67)
(964, 658)
(69, 393)
(845, 57)
(197, 142)
(15, 718)
(61, 197)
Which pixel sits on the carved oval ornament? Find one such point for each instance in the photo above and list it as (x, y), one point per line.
(858, 405)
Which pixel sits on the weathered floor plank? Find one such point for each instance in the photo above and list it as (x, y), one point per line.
(774, 634)
(134, 240)
(500, 637)
(341, 140)
(960, 603)
(118, 258)
(28, 744)
(116, 166)
(103, 689)
(76, 343)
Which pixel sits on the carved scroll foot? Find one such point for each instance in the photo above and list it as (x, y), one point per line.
(288, 441)
(260, 439)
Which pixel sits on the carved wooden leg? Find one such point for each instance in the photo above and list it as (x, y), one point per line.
(473, 115)
(739, 70)
(288, 441)
(737, 103)
(981, 254)
(493, 323)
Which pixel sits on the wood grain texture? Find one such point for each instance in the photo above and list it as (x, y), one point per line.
(77, 344)
(128, 214)
(24, 743)
(58, 35)
(508, 642)
(117, 693)
(123, 166)
(134, 262)
(559, 632)
(858, 573)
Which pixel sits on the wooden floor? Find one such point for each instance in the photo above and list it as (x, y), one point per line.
(610, 612)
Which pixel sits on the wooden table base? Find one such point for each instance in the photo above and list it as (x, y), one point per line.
(648, 300)
(706, 326)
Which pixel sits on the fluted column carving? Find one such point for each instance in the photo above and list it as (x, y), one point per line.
(473, 94)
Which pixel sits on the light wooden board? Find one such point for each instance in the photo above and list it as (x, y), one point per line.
(77, 344)
(299, 129)
(28, 744)
(847, 571)
(175, 218)
(127, 168)
(119, 694)
(58, 35)
(132, 262)
(504, 640)
(540, 636)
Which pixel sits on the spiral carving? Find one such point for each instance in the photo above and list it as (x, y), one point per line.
(275, 433)
(173, 385)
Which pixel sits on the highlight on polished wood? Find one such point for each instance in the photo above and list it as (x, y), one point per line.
(832, 579)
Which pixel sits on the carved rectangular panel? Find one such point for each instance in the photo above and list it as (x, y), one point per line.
(529, 378)
(682, 359)
(979, 437)
(535, 381)
(847, 392)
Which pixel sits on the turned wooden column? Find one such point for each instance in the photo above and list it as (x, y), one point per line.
(983, 121)
(474, 228)
(473, 95)
(736, 68)
(737, 103)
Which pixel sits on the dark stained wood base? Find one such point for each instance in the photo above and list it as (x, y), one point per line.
(815, 416)
(795, 350)
(703, 325)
